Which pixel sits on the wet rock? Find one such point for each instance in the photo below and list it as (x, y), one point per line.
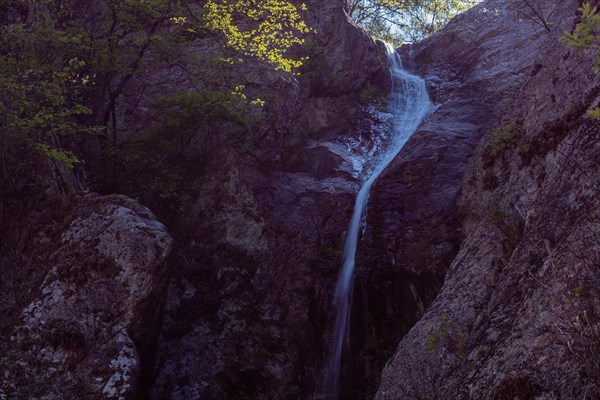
(244, 313)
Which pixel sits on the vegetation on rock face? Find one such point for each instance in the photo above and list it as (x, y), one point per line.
(54, 53)
(507, 137)
(587, 36)
(159, 167)
(65, 67)
(405, 20)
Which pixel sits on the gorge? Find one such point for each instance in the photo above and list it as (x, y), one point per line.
(475, 277)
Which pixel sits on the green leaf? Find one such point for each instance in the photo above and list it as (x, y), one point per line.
(594, 113)
(67, 158)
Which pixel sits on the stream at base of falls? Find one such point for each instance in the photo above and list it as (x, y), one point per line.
(409, 104)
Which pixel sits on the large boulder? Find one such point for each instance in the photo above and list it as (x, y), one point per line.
(94, 316)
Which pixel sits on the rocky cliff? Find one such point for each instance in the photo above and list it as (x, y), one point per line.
(514, 224)
(248, 306)
(479, 258)
(257, 230)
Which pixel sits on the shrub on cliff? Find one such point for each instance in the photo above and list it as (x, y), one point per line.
(587, 36)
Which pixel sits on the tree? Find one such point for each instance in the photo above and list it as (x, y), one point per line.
(405, 20)
(587, 36)
(60, 54)
(65, 65)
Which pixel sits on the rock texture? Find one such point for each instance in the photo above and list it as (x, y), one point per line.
(94, 314)
(249, 303)
(517, 314)
(481, 253)
(258, 228)
(344, 55)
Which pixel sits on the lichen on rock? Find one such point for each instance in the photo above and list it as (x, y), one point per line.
(82, 334)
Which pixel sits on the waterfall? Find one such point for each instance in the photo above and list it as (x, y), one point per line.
(409, 104)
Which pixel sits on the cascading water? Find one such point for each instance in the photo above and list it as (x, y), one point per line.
(409, 104)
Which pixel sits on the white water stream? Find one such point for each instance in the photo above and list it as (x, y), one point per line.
(409, 104)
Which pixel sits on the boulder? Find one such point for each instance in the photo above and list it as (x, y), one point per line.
(94, 318)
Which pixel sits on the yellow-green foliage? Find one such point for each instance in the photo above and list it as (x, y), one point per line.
(594, 113)
(61, 61)
(587, 36)
(264, 29)
(39, 95)
(68, 158)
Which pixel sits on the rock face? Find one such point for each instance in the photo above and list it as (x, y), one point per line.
(249, 303)
(480, 257)
(345, 54)
(257, 244)
(517, 314)
(95, 312)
